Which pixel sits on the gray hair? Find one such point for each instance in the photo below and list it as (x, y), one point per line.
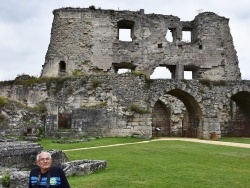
(38, 155)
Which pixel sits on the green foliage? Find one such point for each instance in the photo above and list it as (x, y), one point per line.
(211, 83)
(40, 108)
(84, 80)
(205, 82)
(137, 109)
(219, 83)
(77, 73)
(6, 180)
(32, 80)
(2, 118)
(138, 73)
(3, 101)
(201, 90)
(96, 82)
(100, 105)
(70, 89)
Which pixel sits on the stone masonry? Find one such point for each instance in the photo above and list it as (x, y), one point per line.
(84, 95)
(87, 40)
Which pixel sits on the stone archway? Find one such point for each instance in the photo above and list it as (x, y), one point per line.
(160, 120)
(192, 119)
(239, 120)
(176, 113)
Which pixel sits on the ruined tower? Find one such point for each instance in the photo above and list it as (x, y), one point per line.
(87, 41)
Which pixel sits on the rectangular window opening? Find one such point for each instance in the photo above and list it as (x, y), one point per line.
(125, 35)
(186, 36)
(188, 75)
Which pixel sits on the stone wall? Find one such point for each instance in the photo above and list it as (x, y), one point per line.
(122, 105)
(18, 154)
(87, 40)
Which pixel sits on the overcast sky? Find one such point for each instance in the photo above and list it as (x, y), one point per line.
(25, 27)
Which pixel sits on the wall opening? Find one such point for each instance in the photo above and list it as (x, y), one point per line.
(238, 123)
(161, 73)
(188, 75)
(190, 72)
(62, 66)
(191, 125)
(64, 121)
(160, 45)
(161, 120)
(186, 36)
(29, 131)
(125, 35)
(125, 30)
(171, 35)
(123, 67)
(122, 71)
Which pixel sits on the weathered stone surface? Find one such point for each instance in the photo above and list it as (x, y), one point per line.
(81, 36)
(18, 154)
(20, 179)
(98, 112)
(83, 167)
(98, 102)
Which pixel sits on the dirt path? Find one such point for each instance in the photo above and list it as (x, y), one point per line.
(215, 142)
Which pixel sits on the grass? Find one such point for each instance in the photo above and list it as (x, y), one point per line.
(236, 139)
(161, 164)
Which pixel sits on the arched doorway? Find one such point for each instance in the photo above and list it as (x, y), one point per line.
(161, 120)
(187, 122)
(239, 121)
(191, 126)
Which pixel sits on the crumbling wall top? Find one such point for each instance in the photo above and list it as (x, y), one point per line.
(89, 40)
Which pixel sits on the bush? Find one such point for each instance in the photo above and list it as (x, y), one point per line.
(40, 108)
(96, 82)
(220, 83)
(205, 82)
(77, 73)
(137, 109)
(2, 118)
(3, 101)
(6, 180)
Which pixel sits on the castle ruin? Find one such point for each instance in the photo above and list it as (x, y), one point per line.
(90, 98)
(88, 40)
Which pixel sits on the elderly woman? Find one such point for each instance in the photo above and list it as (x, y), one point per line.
(45, 175)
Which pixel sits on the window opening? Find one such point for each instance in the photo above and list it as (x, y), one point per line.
(122, 71)
(160, 45)
(64, 120)
(169, 35)
(188, 75)
(29, 131)
(186, 36)
(125, 30)
(161, 73)
(125, 35)
(62, 66)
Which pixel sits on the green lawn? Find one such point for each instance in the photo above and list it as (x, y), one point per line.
(161, 164)
(236, 139)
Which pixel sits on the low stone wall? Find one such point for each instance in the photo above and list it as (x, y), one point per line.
(18, 154)
(22, 155)
(20, 179)
(83, 167)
